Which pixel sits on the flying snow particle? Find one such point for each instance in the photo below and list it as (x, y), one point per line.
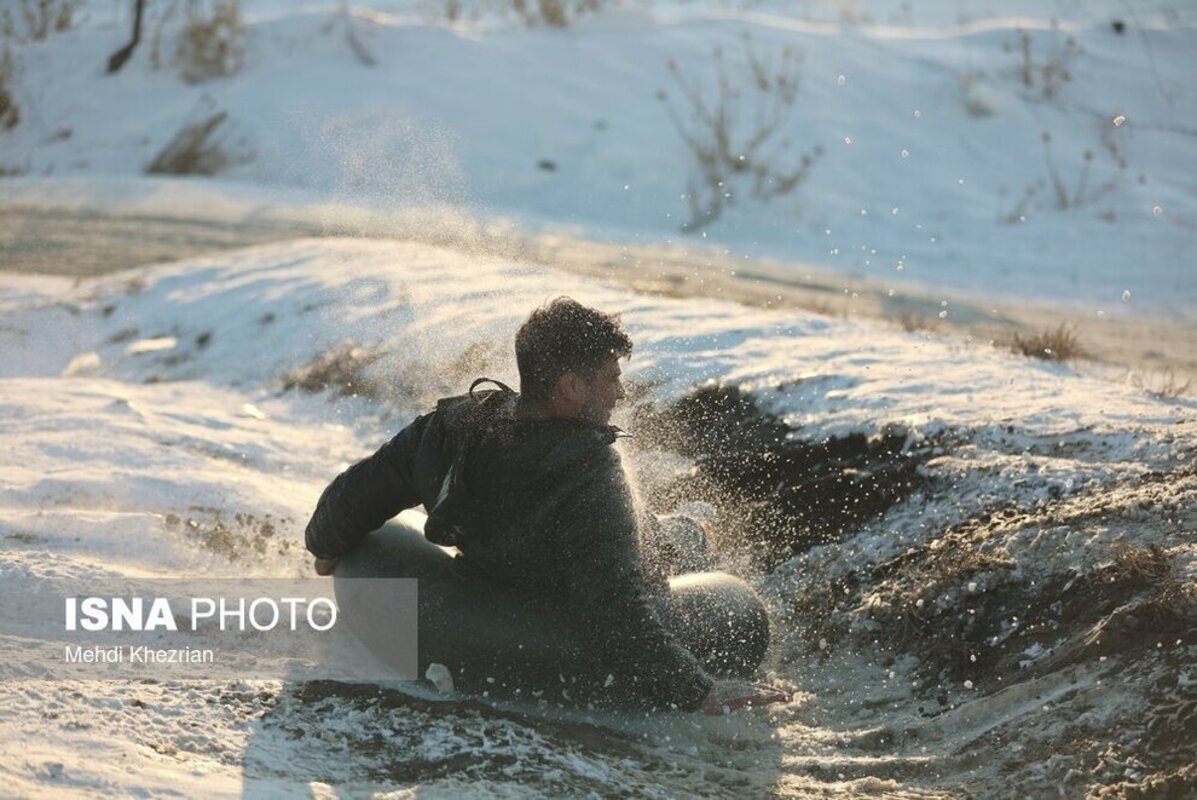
(1157, 211)
(252, 411)
(1126, 295)
(440, 676)
(1118, 120)
(905, 153)
(968, 684)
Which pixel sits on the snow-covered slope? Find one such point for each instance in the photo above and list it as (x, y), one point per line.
(151, 432)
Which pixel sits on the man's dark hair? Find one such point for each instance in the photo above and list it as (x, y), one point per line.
(565, 336)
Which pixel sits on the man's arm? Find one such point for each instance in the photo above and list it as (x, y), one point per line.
(366, 495)
(606, 587)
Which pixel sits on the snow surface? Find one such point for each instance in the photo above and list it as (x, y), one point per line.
(930, 139)
(149, 430)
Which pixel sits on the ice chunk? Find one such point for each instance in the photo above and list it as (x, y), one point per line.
(440, 676)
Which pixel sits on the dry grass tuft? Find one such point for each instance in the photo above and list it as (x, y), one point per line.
(1054, 344)
(912, 322)
(342, 369)
(210, 46)
(1153, 569)
(551, 13)
(199, 148)
(1169, 384)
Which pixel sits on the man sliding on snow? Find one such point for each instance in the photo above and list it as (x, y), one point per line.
(531, 492)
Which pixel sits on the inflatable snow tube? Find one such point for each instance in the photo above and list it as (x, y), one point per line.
(496, 642)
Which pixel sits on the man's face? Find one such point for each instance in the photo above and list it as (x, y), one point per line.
(602, 392)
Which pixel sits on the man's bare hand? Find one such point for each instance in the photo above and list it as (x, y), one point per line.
(325, 566)
(728, 696)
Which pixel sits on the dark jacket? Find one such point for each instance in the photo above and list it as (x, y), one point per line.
(539, 505)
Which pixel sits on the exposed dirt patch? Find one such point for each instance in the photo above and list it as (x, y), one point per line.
(787, 494)
(244, 535)
(23, 537)
(1041, 671)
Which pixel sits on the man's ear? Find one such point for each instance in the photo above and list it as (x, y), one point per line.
(571, 387)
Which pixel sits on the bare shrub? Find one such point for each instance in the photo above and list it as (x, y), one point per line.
(1081, 194)
(200, 148)
(353, 39)
(37, 19)
(1168, 384)
(1084, 192)
(10, 112)
(342, 369)
(210, 45)
(550, 13)
(1049, 69)
(1054, 344)
(737, 134)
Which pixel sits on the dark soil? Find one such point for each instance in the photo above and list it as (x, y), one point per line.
(779, 493)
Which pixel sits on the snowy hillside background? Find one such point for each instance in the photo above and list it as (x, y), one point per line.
(1015, 617)
(930, 136)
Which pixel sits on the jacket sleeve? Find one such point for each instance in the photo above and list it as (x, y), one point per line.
(367, 494)
(606, 586)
